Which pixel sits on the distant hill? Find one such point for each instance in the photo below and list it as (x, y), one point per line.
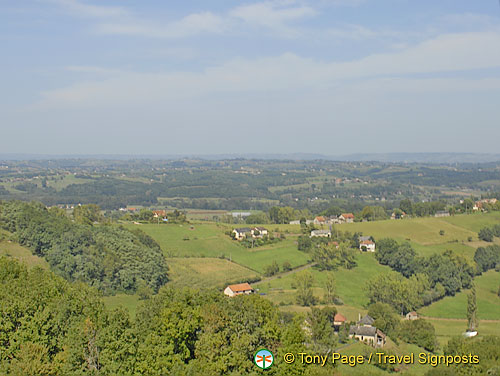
(440, 158)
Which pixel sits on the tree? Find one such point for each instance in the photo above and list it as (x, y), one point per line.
(472, 320)
(419, 332)
(304, 281)
(486, 234)
(272, 269)
(286, 266)
(385, 317)
(87, 214)
(321, 324)
(330, 287)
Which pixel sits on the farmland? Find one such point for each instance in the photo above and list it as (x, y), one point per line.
(210, 240)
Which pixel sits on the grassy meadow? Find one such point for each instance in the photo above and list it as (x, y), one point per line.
(488, 302)
(206, 272)
(11, 249)
(210, 240)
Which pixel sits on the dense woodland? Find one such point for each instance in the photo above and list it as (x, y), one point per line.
(110, 258)
(49, 326)
(243, 184)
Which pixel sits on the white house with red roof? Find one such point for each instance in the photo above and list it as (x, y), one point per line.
(238, 289)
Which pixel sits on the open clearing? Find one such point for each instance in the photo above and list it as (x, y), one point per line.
(206, 272)
(18, 252)
(488, 303)
(209, 240)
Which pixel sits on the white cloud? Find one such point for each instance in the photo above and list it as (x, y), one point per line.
(273, 15)
(86, 10)
(289, 72)
(190, 25)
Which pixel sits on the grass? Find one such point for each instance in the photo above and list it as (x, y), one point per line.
(206, 272)
(351, 284)
(130, 302)
(445, 329)
(474, 222)
(488, 303)
(424, 231)
(20, 253)
(209, 240)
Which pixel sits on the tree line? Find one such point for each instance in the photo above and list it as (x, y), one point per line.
(111, 258)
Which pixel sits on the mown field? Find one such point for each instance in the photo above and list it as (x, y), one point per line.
(206, 272)
(488, 302)
(11, 249)
(351, 284)
(210, 240)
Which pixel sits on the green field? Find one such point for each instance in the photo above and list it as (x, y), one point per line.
(424, 231)
(24, 255)
(209, 240)
(129, 302)
(351, 284)
(206, 272)
(488, 302)
(447, 328)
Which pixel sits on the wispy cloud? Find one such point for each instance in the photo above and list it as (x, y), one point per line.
(79, 8)
(190, 25)
(275, 16)
(444, 54)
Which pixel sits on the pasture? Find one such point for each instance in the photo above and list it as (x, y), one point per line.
(488, 302)
(350, 284)
(20, 253)
(210, 240)
(206, 272)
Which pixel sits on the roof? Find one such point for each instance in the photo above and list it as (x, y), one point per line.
(261, 228)
(367, 320)
(363, 238)
(363, 331)
(347, 215)
(367, 242)
(320, 232)
(320, 219)
(240, 287)
(380, 333)
(339, 317)
(412, 313)
(242, 229)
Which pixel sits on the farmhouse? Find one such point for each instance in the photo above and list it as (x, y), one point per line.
(367, 246)
(241, 233)
(259, 232)
(321, 233)
(395, 215)
(368, 334)
(346, 217)
(159, 213)
(412, 315)
(365, 331)
(319, 220)
(239, 289)
(339, 320)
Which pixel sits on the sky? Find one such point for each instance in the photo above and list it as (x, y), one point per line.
(332, 77)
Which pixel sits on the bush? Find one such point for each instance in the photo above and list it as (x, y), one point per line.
(486, 234)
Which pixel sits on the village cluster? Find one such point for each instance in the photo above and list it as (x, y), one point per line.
(363, 330)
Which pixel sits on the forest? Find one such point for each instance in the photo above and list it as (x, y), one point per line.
(111, 258)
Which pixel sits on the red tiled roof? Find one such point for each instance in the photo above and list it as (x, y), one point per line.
(339, 317)
(348, 215)
(240, 287)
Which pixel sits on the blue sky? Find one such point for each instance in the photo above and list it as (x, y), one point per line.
(279, 76)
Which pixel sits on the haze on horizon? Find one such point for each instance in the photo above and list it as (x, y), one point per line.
(331, 77)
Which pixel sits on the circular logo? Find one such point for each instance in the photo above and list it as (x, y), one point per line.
(263, 358)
